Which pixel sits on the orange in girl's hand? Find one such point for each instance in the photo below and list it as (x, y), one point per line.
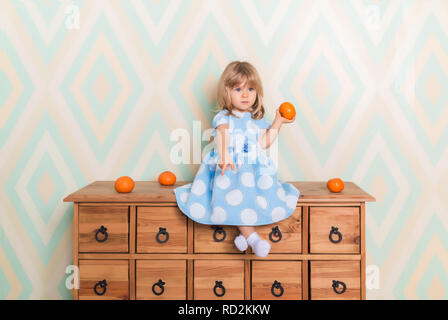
(167, 178)
(124, 184)
(287, 110)
(335, 185)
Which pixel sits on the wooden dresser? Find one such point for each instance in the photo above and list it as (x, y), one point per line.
(139, 245)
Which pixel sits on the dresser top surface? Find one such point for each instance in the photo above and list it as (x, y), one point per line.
(152, 191)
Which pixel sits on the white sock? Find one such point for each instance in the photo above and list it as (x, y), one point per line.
(260, 247)
(240, 242)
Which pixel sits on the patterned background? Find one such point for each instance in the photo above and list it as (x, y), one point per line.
(99, 99)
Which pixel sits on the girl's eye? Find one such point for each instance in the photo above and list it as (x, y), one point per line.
(251, 89)
(238, 89)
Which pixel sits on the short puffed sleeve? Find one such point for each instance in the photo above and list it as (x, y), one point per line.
(263, 124)
(220, 118)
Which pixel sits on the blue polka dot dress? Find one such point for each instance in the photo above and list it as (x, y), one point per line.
(250, 195)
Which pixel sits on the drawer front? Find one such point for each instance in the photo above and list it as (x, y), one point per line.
(161, 230)
(161, 279)
(103, 280)
(334, 230)
(103, 229)
(215, 239)
(218, 279)
(276, 280)
(286, 235)
(335, 280)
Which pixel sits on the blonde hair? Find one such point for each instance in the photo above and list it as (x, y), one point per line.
(237, 73)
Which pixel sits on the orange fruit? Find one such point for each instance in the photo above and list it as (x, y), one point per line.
(167, 178)
(335, 185)
(124, 184)
(287, 110)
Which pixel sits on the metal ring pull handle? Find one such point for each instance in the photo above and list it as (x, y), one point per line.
(277, 285)
(159, 284)
(102, 285)
(275, 233)
(335, 231)
(336, 285)
(219, 230)
(218, 284)
(102, 230)
(162, 231)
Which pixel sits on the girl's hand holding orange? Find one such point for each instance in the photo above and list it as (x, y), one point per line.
(279, 118)
(287, 110)
(226, 163)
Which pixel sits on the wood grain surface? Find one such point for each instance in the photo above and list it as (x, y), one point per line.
(152, 191)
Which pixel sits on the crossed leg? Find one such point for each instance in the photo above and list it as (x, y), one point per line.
(250, 237)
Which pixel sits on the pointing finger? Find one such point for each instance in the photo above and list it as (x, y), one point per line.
(224, 169)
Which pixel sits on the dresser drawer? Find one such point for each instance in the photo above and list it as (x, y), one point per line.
(284, 236)
(161, 279)
(161, 230)
(103, 229)
(334, 230)
(335, 280)
(215, 239)
(218, 279)
(276, 280)
(103, 280)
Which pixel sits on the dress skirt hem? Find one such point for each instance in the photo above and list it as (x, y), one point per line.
(186, 189)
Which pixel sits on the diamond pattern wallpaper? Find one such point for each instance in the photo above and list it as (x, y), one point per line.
(92, 90)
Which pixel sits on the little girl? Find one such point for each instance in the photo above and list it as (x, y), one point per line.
(237, 183)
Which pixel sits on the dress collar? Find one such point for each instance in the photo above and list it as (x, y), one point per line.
(240, 113)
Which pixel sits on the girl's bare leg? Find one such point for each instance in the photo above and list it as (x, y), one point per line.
(246, 231)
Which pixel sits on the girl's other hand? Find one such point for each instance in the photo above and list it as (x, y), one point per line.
(226, 163)
(280, 119)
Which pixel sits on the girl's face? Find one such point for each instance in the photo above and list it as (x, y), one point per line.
(243, 97)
